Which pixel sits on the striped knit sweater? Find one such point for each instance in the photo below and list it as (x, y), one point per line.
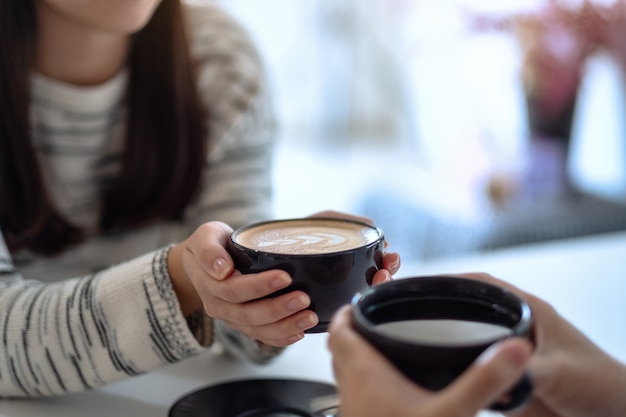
(106, 310)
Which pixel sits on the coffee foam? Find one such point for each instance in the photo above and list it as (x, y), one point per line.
(307, 236)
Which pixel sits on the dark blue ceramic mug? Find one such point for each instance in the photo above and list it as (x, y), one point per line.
(433, 328)
(330, 259)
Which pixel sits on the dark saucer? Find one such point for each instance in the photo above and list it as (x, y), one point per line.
(255, 398)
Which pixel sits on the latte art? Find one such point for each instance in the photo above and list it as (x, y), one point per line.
(315, 238)
(307, 236)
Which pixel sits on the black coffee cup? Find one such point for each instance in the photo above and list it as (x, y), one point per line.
(330, 259)
(433, 328)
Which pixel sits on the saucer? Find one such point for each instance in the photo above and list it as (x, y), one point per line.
(254, 398)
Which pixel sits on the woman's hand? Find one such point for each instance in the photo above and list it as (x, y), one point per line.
(572, 377)
(370, 386)
(204, 276)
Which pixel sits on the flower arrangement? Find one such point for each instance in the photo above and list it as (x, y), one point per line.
(556, 40)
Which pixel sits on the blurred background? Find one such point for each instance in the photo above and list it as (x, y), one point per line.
(456, 125)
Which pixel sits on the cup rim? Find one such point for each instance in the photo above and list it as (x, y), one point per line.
(522, 327)
(241, 229)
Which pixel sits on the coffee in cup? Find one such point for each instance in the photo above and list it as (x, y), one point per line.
(330, 259)
(307, 236)
(433, 328)
(443, 332)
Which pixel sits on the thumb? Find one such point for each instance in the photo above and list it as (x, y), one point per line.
(492, 375)
(207, 245)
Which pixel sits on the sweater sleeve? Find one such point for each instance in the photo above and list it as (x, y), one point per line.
(85, 332)
(237, 183)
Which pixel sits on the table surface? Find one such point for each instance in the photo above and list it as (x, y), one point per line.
(584, 278)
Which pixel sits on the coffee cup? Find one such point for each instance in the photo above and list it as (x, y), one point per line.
(330, 259)
(433, 328)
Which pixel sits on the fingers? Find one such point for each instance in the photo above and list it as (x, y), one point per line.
(352, 351)
(368, 384)
(536, 304)
(207, 245)
(349, 349)
(242, 301)
(493, 374)
(481, 276)
(340, 340)
(340, 322)
(391, 262)
(341, 215)
(391, 265)
(546, 316)
(279, 333)
(241, 288)
(382, 275)
(260, 312)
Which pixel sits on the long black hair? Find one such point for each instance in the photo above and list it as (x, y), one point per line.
(165, 137)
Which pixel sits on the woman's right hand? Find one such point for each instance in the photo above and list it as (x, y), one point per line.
(204, 276)
(572, 377)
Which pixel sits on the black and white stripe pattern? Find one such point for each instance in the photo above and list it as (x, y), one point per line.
(106, 309)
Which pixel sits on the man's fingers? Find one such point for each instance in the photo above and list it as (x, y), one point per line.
(493, 374)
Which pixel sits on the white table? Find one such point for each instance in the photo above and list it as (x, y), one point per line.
(585, 279)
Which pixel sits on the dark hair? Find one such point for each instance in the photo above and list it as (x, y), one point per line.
(165, 138)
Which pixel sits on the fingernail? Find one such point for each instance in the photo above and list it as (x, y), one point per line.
(307, 322)
(298, 303)
(517, 357)
(396, 263)
(488, 355)
(514, 358)
(281, 281)
(221, 268)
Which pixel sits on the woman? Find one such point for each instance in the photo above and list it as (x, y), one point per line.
(124, 126)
